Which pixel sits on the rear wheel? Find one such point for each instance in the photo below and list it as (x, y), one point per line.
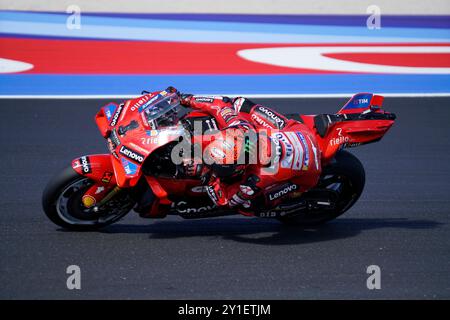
(62, 204)
(343, 180)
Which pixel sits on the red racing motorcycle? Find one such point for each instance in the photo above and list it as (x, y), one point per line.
(139, 173)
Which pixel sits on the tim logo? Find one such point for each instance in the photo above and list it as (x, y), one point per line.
(361, 101)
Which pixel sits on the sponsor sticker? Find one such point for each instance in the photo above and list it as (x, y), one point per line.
(109, 109)
(340, 139)
(260, 121)
(306, 148)
(88, 201)
(107, 176)
(298, 151)
(140, 102)
(85, 164)
(227, 114)
(183, 207)
(198, 189)
(204, 99)
(271, 116)
(288, 157)
(131, 154)
(129, 167)
(152, 133)
(359, 101)
(282, 191)
(151, 140)
(116, 115)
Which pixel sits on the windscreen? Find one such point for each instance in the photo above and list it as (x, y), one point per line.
(161, 107)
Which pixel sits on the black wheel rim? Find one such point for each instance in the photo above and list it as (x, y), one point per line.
(71, 210)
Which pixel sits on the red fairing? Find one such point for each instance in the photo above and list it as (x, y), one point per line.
(130, 138)
(352, 134)
(377, 101)
(97, 167)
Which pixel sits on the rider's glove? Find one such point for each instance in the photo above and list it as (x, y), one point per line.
(185, 99)
(193, 167)
(239, 200)
(171, 89)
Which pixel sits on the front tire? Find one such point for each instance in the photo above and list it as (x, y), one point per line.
(61, 201)
(349, 175)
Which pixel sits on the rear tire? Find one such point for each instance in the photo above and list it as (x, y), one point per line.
(351, 170)
(61, 201)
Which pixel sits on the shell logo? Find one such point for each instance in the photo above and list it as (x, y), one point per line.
(88, 201)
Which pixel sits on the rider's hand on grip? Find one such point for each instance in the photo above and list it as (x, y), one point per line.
(185, 99)
(193, 167)
(172, 89)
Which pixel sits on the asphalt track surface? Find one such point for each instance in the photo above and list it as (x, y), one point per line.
(401, 223)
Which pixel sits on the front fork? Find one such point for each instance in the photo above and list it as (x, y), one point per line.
(95, 199)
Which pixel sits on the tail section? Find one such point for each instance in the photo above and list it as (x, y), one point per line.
(360, 121)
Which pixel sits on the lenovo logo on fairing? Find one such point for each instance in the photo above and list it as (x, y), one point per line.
(85, 164)
(282, 192)
(130, 154)
(116, 116)
(182, 207)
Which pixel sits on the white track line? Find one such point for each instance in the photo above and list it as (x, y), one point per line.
(273, 96)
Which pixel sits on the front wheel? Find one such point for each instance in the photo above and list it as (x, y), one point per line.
(62, 204)
(344, 178)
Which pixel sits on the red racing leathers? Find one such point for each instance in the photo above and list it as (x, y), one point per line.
(290, 146)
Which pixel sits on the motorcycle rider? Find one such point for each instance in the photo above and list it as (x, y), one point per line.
(238, 119)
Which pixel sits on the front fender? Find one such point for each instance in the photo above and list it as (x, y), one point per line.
(97, 167)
